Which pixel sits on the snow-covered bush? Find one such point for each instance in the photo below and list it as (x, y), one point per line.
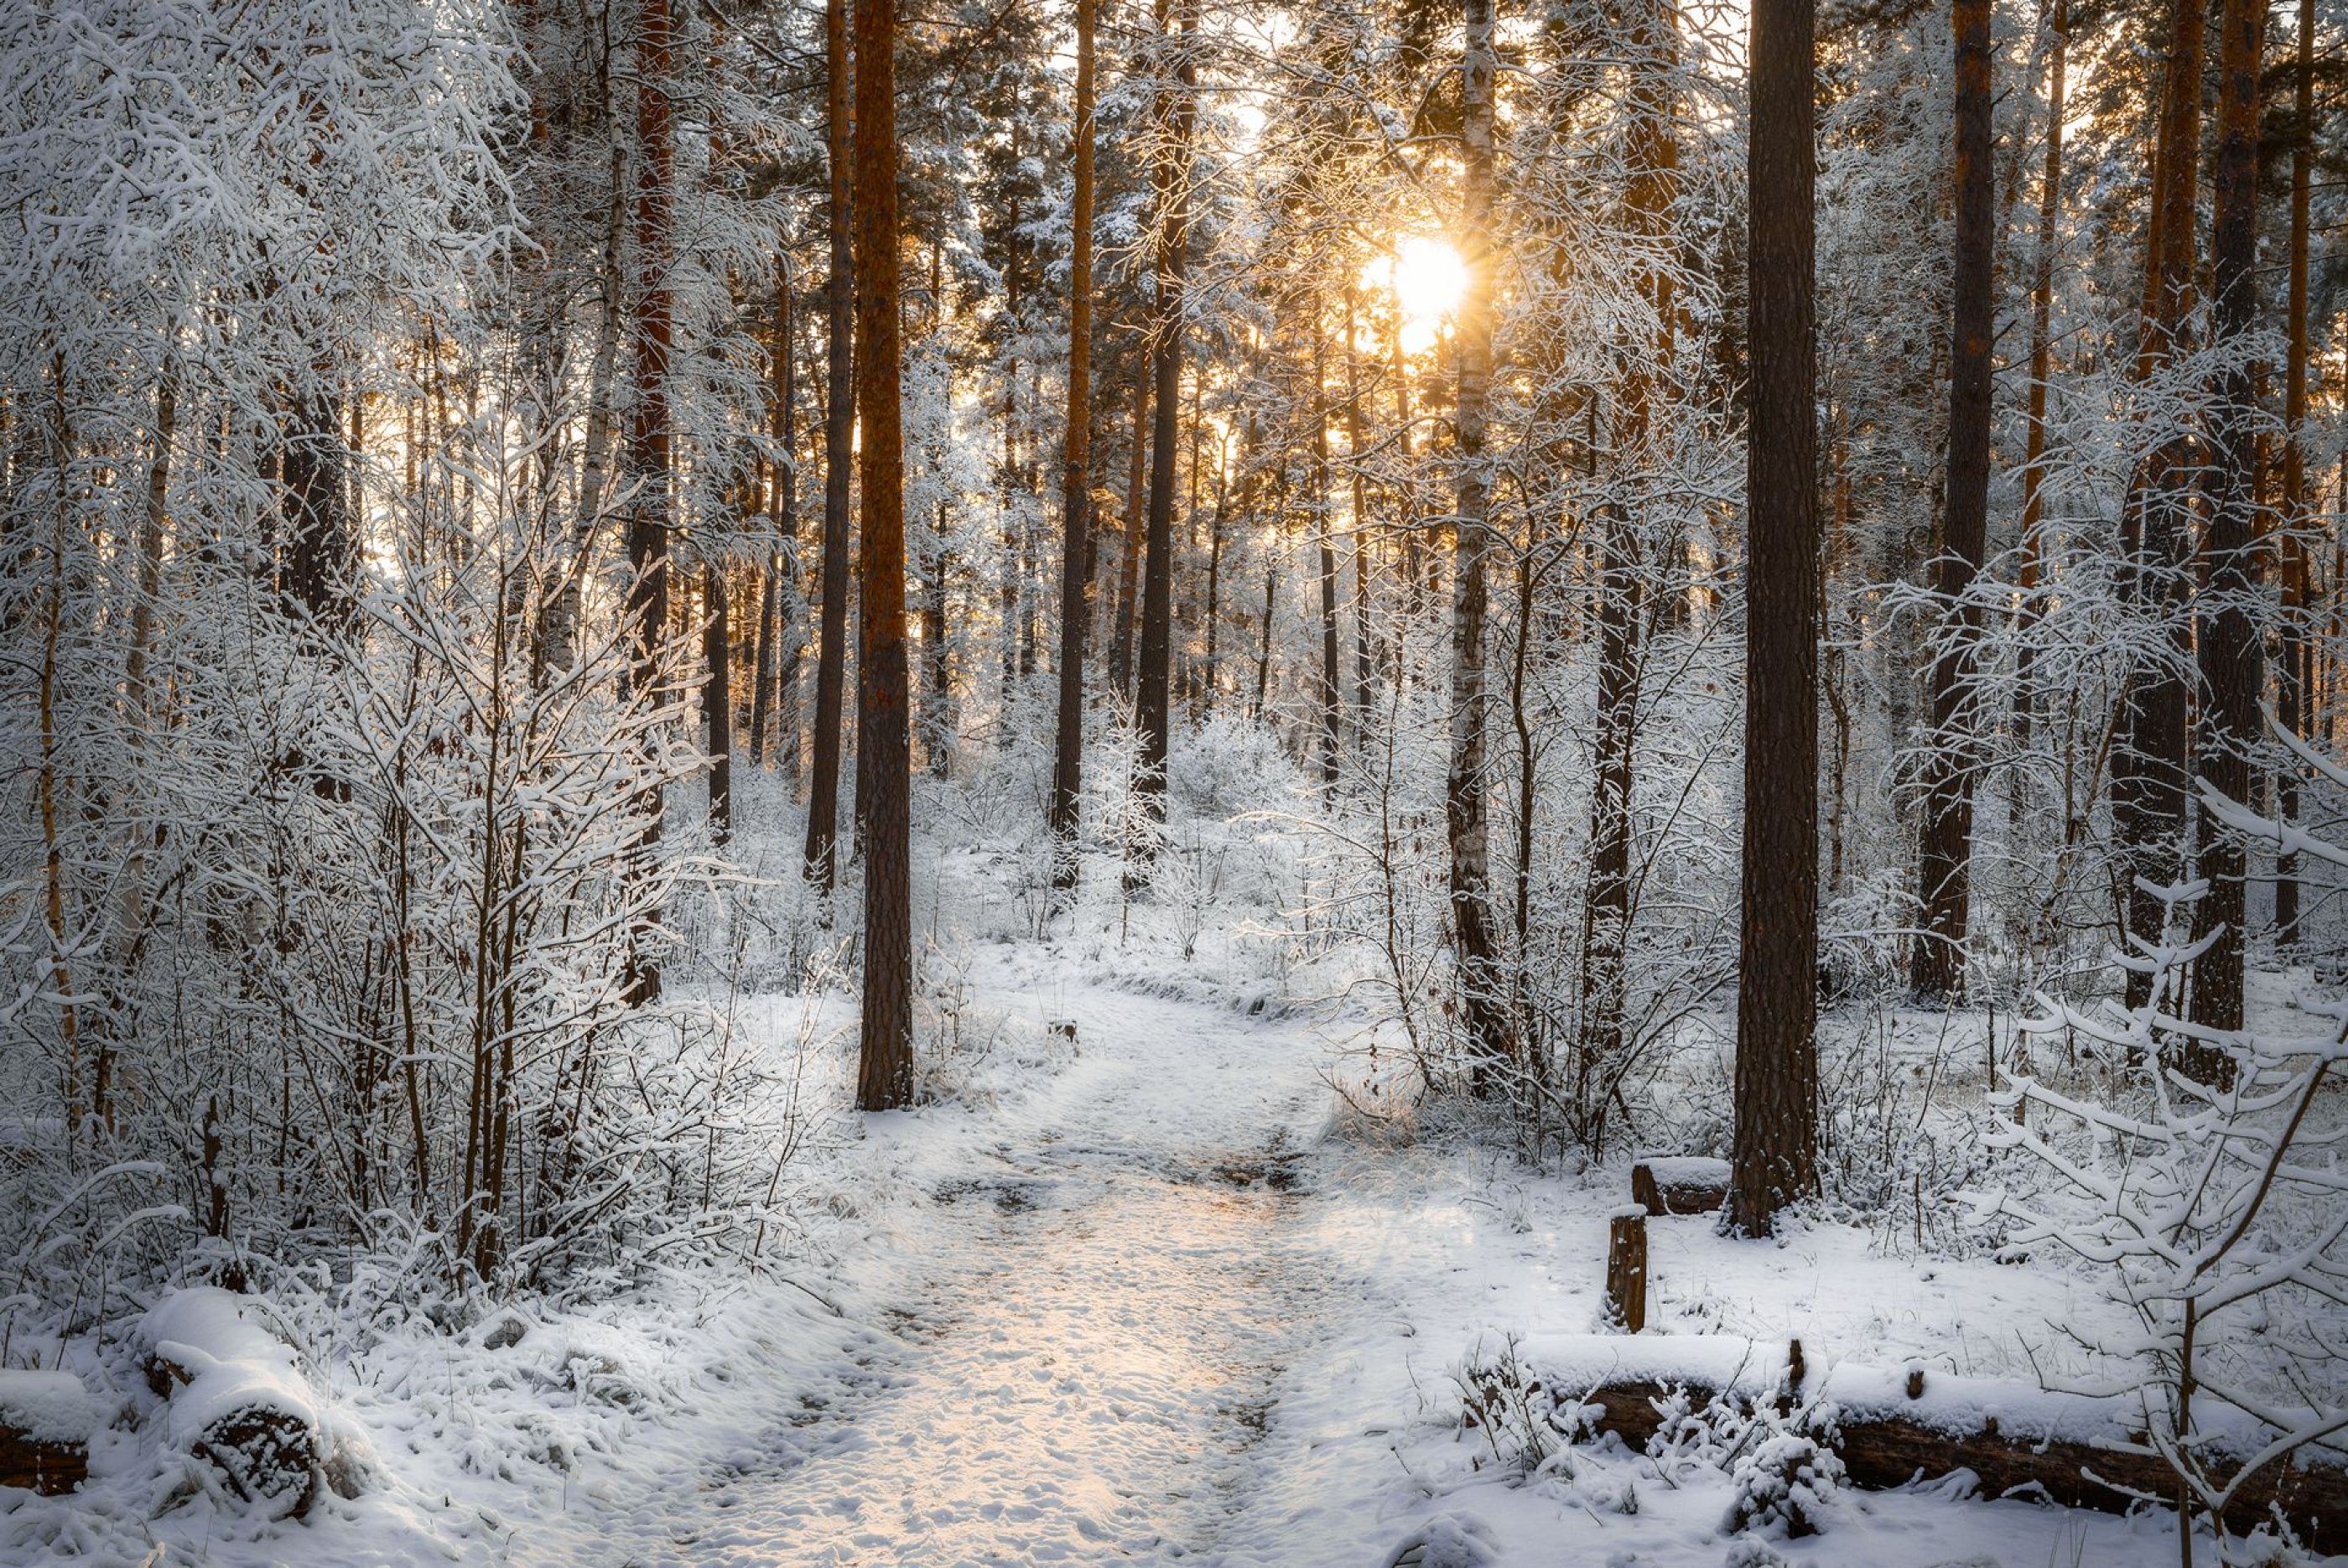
(1892, 1150)
(1784, 1485)
(2211, 1203)
(1226, 765)
(1447, 1541)
(1860, 943)
(1523, 1427)
(1731, 1432)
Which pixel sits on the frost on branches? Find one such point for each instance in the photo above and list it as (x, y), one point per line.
(2212, 1203)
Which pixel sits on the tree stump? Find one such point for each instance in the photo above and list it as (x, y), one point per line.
(47, 1419)
(1626, 1268)
(1679, 1184)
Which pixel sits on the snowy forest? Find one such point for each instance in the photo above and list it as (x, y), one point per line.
(1404, 783)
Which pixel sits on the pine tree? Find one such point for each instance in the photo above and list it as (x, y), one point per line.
(883, 727)
(2230, 639)
(839, 454)
(1483, 990)
(1936, 964)
(1076, 485)
(1775, 1151)
(1153, 679)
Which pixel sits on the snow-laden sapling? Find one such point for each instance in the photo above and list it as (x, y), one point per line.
(1783, 1471)
(1784, 1485)
(1507, 1403)
(2215, 1204)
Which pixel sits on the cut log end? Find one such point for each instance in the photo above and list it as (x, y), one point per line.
(47, 1421)
(51, 1468)
(268, 1458)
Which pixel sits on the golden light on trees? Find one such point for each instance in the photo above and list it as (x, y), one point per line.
(1427, 278)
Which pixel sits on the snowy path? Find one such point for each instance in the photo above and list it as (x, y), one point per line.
(1142, 1312)
(1102, 1298)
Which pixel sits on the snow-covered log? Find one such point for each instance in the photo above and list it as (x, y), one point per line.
(1679, 1184)
(1891, 1427)
(238, 1399)
(46, 1420)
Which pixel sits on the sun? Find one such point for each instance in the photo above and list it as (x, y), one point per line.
(1429, 279)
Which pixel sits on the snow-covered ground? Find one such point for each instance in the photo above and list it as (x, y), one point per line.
(1139, 1296)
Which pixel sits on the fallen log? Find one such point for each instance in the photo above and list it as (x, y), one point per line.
(1891, 1429)
(46, 1420)
(238, 1400)
(1679, 1184)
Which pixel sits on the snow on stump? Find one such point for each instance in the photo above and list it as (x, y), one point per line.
(1679, 1184)
(238, 1400)
(1626, 1268)
(46, 1420)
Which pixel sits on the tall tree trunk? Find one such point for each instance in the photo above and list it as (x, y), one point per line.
(1215, 564)
(1128, 564)
(2231, 655)
(1263, 644)
(1483, 989)
(1152, 699)
(883, 718)
(1775, 1140)
(2291, 685)
(762, 656)
(320, 559)
(1936, 964)
(1007, 590)
(937, 681)
(718, 700)
(1653, 187)
(560, 638)
(144, 700)
(62, 442)
(142, 693)
(1217, 531)
(2042, 356)
(648, 435)
(1031, 565)
(839, 452)
(778, 603)
(1332, 737)
(1076, 482)
(2149, 766)
(1364, 663)
(1415, 551)
(936, 727)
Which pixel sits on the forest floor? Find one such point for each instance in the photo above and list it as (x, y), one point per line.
(1162, 1306)
(1150, 1295)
